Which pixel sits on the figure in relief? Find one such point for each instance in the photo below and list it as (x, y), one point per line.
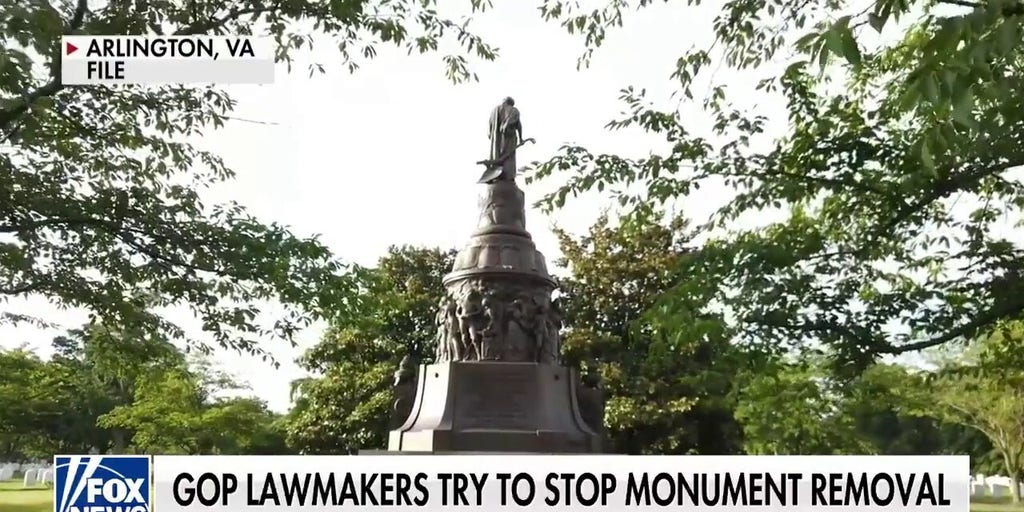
(470, 325)
(492, 327)
(449, 342)
(443, 350)
(498, 321)
(518, 340)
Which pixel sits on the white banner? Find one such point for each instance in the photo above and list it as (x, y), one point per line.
(560, 483)
(172, 59)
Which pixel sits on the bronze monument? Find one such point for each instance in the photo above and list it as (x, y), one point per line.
(496, 384)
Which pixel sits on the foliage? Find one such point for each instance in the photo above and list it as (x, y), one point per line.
(664, 395)
(346, 405)
(881, 404)
(799, 407)
(891, 178)
(101, 186)
(792, 409)
(27, 408)
(121, 392)
(174, 411)
(988, 395)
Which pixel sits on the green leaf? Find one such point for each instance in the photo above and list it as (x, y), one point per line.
(930, 87)
(877, 22)
(1007, 35)
(805, 42)
(926, 156)
(963, 108)
(851, 51)
(834, 40)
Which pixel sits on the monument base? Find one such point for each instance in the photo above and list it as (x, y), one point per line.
(493, 406)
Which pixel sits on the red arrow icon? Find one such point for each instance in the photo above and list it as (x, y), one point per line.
(71, 48)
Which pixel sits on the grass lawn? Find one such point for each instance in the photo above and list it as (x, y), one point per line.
(15, 498)
(994, 505)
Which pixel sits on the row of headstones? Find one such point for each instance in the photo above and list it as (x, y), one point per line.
(33, 474)
(38, 476)
(994, 486)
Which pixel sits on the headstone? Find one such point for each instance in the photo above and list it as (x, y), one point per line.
(978, 489)
(998, 480)
(497, 383)
(47, 477)
(30, 478)
(6, 473)
(999, 490)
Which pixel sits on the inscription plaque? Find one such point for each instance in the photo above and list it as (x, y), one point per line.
(502, 400)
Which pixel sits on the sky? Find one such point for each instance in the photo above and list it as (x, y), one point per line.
(386, 155)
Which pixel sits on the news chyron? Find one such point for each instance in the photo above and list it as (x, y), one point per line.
(489, 482)
(113, 60)
(101, 483)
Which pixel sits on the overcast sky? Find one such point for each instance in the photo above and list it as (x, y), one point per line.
(386, 155)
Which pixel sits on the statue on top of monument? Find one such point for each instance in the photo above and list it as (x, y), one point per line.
(506, 135)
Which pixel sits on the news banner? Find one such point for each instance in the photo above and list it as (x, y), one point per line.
(114, 60)
(166, 483)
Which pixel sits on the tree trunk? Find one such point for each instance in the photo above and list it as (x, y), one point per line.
(120, 441)
(1013, 473)
(1015, 491)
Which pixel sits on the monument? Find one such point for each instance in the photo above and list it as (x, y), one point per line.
(496, 384)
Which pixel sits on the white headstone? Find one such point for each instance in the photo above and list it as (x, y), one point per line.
(6, 473)
(30, 478)
(978, 489)
(998, 491)
(998, 480)
(47, 477)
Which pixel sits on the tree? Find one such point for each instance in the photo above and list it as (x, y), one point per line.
(793, 409)
(30, 412)
(177, 410)
(100, 368)
(987, 394)
(100, 187)
(665, 395)
(881, 405)
(346, 404)
(891, 174)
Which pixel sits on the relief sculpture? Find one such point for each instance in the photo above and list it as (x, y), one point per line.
(497, 321)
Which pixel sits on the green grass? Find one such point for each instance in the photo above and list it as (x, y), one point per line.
(987, 504)
(15, 498)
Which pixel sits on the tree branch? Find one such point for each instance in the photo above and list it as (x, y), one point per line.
(962, 3)
(216, 23)
(967, 329)
(942, 189)
(77, 18)
(7, 117)
(25, 288)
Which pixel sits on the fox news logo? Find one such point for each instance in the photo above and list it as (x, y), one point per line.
(101, 483)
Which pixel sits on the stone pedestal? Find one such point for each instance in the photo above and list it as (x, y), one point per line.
(497, 385)
(495, 407)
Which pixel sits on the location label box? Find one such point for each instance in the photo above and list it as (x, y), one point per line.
(110, 60)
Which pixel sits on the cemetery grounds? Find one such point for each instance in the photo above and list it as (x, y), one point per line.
(14, 497)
